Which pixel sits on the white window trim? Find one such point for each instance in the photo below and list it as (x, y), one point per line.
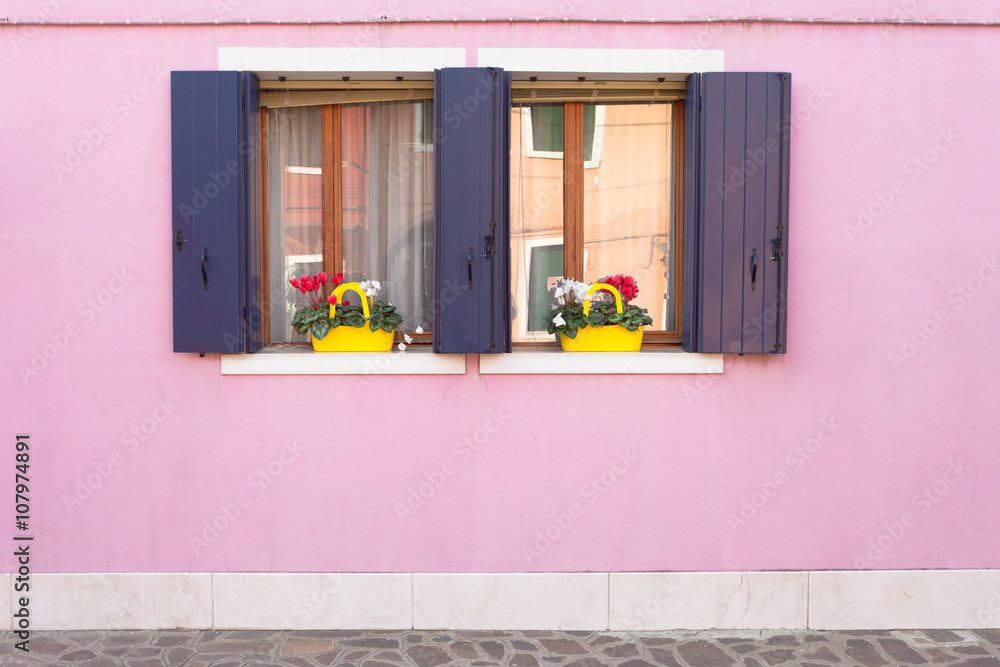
(553, 361)
(304, 361)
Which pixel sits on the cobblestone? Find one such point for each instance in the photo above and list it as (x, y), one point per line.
(406, 648)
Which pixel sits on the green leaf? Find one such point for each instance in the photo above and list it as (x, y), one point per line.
(570, 332)
(388, 327)
(321, 328)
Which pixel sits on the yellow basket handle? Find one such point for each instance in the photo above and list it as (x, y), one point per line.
(356, 287)
(599, 286)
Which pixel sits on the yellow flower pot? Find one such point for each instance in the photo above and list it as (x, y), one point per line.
(609, 338)
(353, 339)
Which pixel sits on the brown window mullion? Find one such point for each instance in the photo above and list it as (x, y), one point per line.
(332, 213)
(573, 190)
(264, 238)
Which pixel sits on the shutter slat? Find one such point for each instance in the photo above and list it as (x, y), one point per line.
(754, 232)
(734, 211)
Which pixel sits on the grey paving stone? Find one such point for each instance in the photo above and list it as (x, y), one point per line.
(493, 649)
(664, 656)
(627, 650)
(658, 641)
(743, 648)
(414, 639)
(523, 660)
(428, 656)
(522, 645)
(822, 653)
(177, 655)
(145, 662)
(372, 642)
(563, 646)
(777, 656)
(816, 638)
(636, 663)
(969, 650)
(900, 651)
(301, 645)
(377, 663)
(783, 640)
(864, 652)
(465, 650)
(700, 653)
(751, 662)
(992, 636)
(586, 662)
(328, 657)
(980, 662)
(388, 656)
(47, 645)
(76, 656)
(296, 661)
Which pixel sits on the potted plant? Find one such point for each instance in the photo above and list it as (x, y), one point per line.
(335, 324)
(611, 324)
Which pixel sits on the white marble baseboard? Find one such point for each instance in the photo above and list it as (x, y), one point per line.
(637, 601)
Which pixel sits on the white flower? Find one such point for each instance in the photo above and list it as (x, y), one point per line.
(402, 347)
(418, 330)
(370, 293)
(375, 284)
(580, 291)
(407, 338)
(558, 320)
(559, 292)
(365, 284)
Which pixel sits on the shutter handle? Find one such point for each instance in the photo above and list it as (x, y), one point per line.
(204, 274)
(753, 271)
(470, 267)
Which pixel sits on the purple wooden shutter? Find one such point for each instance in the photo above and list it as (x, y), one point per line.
(472, 210)
(736, 212)
(215, 236)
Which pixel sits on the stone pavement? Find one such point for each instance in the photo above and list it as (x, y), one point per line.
(717, 648)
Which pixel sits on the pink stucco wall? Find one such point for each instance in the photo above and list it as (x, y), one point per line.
(879, 426)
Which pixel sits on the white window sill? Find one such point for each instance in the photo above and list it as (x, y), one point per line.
(555, 361)
(306, 362)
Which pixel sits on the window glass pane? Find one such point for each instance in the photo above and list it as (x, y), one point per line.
(628, 206)
(387, 172)
(536, 222)
(295, 212)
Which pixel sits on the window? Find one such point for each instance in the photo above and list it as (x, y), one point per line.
(689, 184)
(375, 218)
(606, 177)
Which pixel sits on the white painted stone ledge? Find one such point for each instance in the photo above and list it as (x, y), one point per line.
(639, 601)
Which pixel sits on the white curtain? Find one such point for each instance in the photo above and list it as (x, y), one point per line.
(295, 226)
(388, 203)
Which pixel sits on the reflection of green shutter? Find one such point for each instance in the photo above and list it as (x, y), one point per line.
(546, 262)
(547, 129)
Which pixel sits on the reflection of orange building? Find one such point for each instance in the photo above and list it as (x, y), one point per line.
(628, 209)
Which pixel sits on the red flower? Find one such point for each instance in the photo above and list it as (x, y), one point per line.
(322, 277)
(307, 283)
(339, 278)
(332, 300)
(294, 282)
